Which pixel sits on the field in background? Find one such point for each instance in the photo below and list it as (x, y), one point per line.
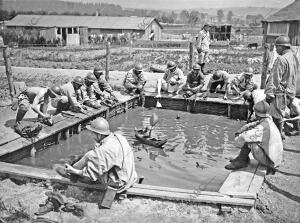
(233, 59)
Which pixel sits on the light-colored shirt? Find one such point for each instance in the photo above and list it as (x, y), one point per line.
(283, 77)
(266, 135)
(132, 80)
(244, 83)
(113, 152)
(177, 74)
(224, 77)
(203, 40)
(195, 79)
(258, 95)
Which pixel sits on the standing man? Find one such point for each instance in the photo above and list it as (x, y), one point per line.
(281, 86)
(202, 45)
(218, 80)
(171, 81)
(134, 80)
(262, 138)
(194, 82)
(37, 99)
(111, 162)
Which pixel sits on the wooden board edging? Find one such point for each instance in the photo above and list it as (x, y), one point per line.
(16, 171)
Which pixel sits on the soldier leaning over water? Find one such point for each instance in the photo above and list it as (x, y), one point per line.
(32, 98)
(69, 101)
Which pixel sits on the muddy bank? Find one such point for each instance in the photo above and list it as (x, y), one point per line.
(19, 203)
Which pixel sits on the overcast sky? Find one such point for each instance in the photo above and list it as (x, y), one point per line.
(182, 4)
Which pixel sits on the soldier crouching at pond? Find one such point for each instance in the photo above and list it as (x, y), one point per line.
(194, 83)
(31, 98)
(105, 90)
(110, 163)
(134, 81)
(69, 100)
(262, 138)
(86, 94)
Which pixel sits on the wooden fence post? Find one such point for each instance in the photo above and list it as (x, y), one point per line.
(191, 54)
(266, 61)
(130, 48)
(107, 60)
(9, 75)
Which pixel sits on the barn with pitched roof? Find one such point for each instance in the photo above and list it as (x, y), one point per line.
(284, 22)
(76, 29)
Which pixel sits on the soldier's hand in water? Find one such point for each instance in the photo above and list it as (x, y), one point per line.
(225, 97)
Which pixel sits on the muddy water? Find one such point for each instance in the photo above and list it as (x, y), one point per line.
(198, 147)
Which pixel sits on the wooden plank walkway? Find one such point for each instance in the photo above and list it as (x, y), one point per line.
(245, 180)
(63, 124)
(16, 171)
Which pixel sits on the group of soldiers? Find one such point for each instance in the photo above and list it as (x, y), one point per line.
(173, 82)
(262, 136)
(91, 91)
(272, 106)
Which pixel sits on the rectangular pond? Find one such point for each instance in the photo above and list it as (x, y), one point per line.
(198, 147)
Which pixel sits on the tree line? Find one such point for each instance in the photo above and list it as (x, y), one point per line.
(9, 9)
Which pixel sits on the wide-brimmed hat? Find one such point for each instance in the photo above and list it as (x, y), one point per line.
(100, 126)
(91, 78)
(261, 109)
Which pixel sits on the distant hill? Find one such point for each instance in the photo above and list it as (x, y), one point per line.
(241, 11)
(56, 6)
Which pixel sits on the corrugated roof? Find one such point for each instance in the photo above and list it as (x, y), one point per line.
(289, 13)
(100, 22)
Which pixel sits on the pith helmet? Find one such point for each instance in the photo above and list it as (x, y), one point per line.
(98, 69)
(100, 126)
(171, 64)
(283, 41)
(261, 109)
(196, 67)
(56, 89)
(138, 67)
(91, 78)
(78, 80)
(248, 71)
(217, 75)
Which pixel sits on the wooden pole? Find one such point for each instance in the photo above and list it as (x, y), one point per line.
(191, 54)
(264, 68)
(107, 60)
(130, 48)
(9, 75)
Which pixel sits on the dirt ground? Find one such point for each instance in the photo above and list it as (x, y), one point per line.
(278, 200)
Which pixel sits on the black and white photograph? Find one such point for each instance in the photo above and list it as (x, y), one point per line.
(134, 111)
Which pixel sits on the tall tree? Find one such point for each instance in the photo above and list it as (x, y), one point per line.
(194, 17)
(184, 16)
(229, 16)
(220, 14)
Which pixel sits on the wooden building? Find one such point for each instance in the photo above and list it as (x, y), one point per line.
(284, 22)
(76, 29)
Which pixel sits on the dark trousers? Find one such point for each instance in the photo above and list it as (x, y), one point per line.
(214, 86)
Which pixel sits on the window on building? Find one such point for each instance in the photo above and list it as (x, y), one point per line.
(69, 30)
(58, 31)
(278, 28)
(75, 30)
